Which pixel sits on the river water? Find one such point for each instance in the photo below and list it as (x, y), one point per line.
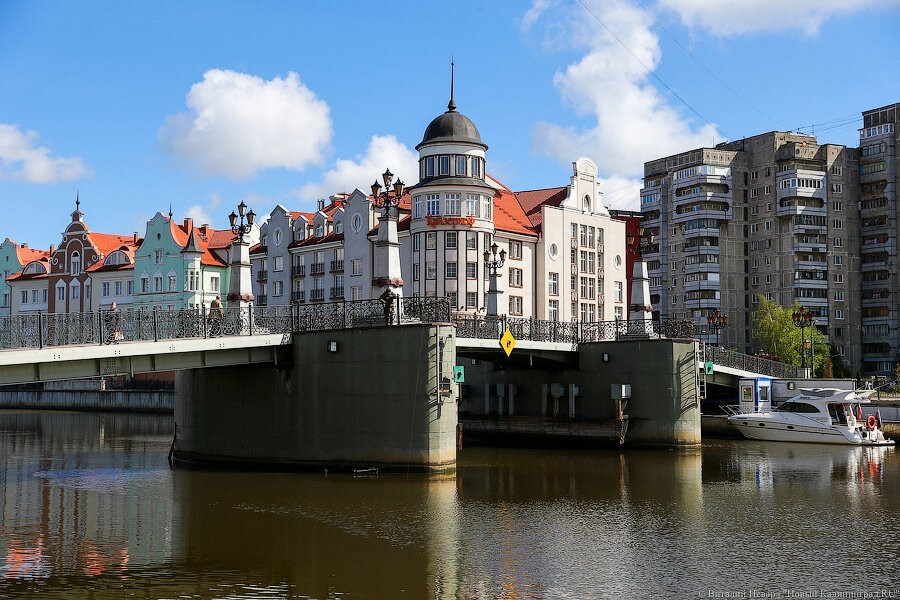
(90, 509)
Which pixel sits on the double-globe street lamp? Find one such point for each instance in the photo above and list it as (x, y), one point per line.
(493, 261)
(385, 199)
(803, 319)
(717, 321)
(241, 229)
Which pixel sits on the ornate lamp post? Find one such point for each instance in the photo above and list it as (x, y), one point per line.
(384, 199)
(641, 310)
(241, 229)
(802, 319)
(716, 321)
(493, 261)
(240, 286)
(386, 279)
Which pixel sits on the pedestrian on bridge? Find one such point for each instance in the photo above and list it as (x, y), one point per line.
(112, 322)
(215, 317)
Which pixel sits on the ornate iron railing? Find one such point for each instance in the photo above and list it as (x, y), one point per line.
(747, 362)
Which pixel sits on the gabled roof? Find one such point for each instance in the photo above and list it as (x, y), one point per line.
(316, 240)
(531, 202)
(20, 276)
(509, 215)
(106, 244)
(27, 255)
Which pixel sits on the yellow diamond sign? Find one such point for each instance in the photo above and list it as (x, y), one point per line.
(507, 342)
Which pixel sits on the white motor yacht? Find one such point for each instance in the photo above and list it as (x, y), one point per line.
(822, 415)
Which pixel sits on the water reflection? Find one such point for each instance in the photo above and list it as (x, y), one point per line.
(88, 502)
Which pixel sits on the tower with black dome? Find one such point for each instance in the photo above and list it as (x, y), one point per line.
(452, 211)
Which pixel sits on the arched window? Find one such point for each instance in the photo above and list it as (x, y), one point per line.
(75, 263)
(117, 258)
(586, 206)
(34, 268)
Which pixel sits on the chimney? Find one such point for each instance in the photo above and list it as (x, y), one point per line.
(24, 245)
(51, 249)
(135, 238)
(203, 229)
(188, 224)
(321, 203)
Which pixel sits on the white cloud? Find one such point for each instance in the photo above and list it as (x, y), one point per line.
(749, 16)
(534, 13)
(240, 124)
(383, 152)
(21, 159)
(201, 213)
(622, 193)
(630, 121)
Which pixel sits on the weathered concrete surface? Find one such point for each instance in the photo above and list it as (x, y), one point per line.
(374, 402)
(663, 409)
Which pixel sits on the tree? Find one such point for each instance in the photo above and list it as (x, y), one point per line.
(774, 332)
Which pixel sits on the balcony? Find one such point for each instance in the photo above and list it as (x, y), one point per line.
(262, 300)
(337, 293)
(299, 296)
(794, 206)
(317, 295)
(337, 266)
(299, 271)
(317, 268)
(262, 275)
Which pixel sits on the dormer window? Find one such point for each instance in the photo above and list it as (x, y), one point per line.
(339, 227)
(320, 231)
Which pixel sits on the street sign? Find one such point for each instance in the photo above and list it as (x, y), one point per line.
(459, 375)
(507, 342)
(709, 367)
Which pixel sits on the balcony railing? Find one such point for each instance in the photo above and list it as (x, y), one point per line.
(299, 296)
(337, 293)
(337, 266)
(299, 271)
(262, 275)
(317, 268)
(316, 295)
(262, 300)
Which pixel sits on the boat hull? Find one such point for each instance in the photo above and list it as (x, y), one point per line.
(756, 428)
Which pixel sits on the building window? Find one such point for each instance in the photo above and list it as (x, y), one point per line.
(618, 291)
(461, 165)
(417, 207)
(471, 240)
(157, 283)
(515, 305)
(836, 170)
(430, 240)
(214, 283)
(430, 270)
(617, 311)
(472, 205)
(416, 272)
(471, 270)
(515, 250)
(130, 287)
(76, 291)
(838, 261)
(75, 264)
(553, 284)
(61, 293)
(471, 300)
(278, 263)
(515, 277)
(487, 207)
(445, 165)
(452, 205)
(587, 261)
(416, 237)
(433, 204)
(838, 314)
(839, 296)
(356, 266)
(277, 288)
(838, 277)
(451, 239)
(104, 289)
(553, 310)
(837, 224)
(356, 292)
(157, 256)
(450, 270)
(173, 281)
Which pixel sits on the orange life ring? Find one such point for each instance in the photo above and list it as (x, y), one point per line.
(871, 422)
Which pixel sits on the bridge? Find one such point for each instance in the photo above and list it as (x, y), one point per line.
(47, 347)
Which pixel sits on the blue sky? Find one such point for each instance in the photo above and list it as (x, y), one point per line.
(136, 106)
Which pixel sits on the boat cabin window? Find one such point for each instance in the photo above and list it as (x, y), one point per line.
(798, 407)
(838, 414)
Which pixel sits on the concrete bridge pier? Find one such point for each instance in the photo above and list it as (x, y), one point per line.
(379, 397)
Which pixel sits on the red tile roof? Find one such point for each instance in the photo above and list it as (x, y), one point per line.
(509, 215)
(27, 255)
(20, 276)
(532, 201)
(107, 243)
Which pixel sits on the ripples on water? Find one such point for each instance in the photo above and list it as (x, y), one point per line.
(91, 510)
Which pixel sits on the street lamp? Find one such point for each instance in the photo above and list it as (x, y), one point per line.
(716, 321)
(493, 263)
(384, 199)
(802, 319)
(241, 229)
(640, 314)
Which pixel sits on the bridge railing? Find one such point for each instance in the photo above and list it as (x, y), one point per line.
(747, 362)
(568, 332)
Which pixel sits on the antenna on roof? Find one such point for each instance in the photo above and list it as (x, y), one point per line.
(170, 211)
(452, 105)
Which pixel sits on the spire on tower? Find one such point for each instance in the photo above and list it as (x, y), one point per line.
(451, 106)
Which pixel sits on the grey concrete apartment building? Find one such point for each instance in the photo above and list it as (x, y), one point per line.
(776, 215)
(879, 297)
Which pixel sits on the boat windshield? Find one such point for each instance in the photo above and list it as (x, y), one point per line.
(838, 413)
(798, 407)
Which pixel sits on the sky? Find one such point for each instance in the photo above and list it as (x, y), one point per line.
(195, 106)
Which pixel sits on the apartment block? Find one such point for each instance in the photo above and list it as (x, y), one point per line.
(772, 215)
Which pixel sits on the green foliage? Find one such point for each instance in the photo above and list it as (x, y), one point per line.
(775, 333)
